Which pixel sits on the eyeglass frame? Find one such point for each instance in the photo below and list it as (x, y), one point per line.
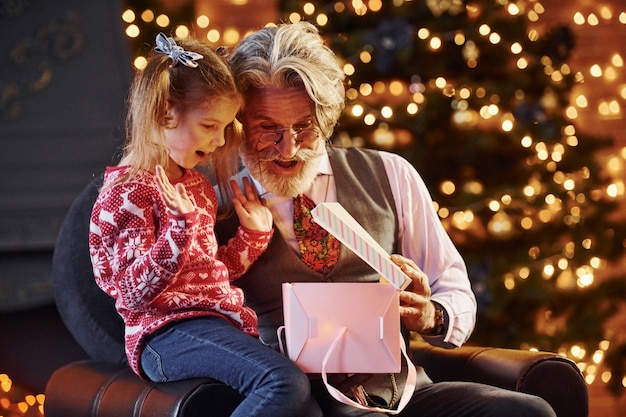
(311, 127)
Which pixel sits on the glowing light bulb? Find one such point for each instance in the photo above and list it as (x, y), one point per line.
(147, 16)
(357, 110)
(140, 62)
(495, 38)
(365, 57)
(182, 31)
(128, 16)
(213, 35)
(386, 112)
(595, 71)
(162, 20)
(513, 9)
(132, 31)
(579, 19)
(202, 21)
(369, 119)
(435, 43)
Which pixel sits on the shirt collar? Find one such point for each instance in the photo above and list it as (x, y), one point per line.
(325, 168)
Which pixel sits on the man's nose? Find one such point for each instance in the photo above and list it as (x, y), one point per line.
(288, 146)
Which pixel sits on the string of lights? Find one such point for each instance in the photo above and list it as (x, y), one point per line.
(524, 191)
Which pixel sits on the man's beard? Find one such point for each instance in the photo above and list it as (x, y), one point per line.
(259, 163)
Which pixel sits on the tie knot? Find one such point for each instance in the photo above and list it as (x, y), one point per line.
(303, 200)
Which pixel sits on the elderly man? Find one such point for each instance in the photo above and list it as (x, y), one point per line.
(293, 91)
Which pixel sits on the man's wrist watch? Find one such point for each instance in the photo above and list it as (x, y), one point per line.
(440, 320)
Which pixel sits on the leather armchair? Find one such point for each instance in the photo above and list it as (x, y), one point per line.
(106, 387)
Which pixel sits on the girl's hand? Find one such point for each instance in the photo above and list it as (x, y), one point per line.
(253, 215)
(175, 198)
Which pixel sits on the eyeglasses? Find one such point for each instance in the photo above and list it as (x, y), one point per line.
(306, 133)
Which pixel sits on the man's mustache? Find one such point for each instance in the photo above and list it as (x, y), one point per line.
(271, 154)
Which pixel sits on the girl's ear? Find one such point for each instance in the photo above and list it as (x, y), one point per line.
(169, 120)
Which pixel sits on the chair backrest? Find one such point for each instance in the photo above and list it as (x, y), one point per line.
(86, 310)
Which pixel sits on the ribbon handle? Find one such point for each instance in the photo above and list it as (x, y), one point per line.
(407, 393)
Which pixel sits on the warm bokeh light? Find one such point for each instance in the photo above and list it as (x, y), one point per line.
(203, 21)
(553, 194)
(128, 16)
(147, 15)
(132, 31)
(162, 20)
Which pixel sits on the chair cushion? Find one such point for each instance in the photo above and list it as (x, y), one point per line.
(550, 376)
(86, 310)
(98, 389)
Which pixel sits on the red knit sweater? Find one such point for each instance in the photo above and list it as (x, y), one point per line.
(161, 267)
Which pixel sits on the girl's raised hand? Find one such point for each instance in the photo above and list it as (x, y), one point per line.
(175, 198)
(253, 215)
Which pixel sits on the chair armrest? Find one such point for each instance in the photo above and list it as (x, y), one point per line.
(550, 376)
(98, 389)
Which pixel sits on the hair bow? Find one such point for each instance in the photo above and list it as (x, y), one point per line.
(168, 46)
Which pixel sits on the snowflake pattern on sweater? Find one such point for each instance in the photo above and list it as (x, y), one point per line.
(160, 267)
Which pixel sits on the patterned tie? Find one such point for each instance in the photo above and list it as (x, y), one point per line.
(319, 249)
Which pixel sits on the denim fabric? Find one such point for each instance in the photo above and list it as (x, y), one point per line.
(212, 347)
(449, 399)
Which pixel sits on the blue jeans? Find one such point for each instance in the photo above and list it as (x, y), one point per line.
(449, 399)
(211, 347)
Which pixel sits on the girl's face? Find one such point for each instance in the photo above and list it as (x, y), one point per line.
(192, 135)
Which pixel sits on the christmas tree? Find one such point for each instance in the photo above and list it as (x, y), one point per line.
(478, 102)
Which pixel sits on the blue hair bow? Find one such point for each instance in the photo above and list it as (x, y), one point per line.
(168, 46)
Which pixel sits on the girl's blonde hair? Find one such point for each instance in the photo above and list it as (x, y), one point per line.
(163, 81)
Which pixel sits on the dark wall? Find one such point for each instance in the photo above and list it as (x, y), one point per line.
(65, 68)
(64, 73)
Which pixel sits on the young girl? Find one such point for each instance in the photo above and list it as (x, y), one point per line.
(152, 242)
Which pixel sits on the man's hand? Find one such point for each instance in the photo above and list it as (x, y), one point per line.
(416, 309)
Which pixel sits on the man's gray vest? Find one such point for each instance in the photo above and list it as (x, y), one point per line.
(363, 189)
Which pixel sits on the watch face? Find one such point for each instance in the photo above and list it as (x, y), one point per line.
(440, 320)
